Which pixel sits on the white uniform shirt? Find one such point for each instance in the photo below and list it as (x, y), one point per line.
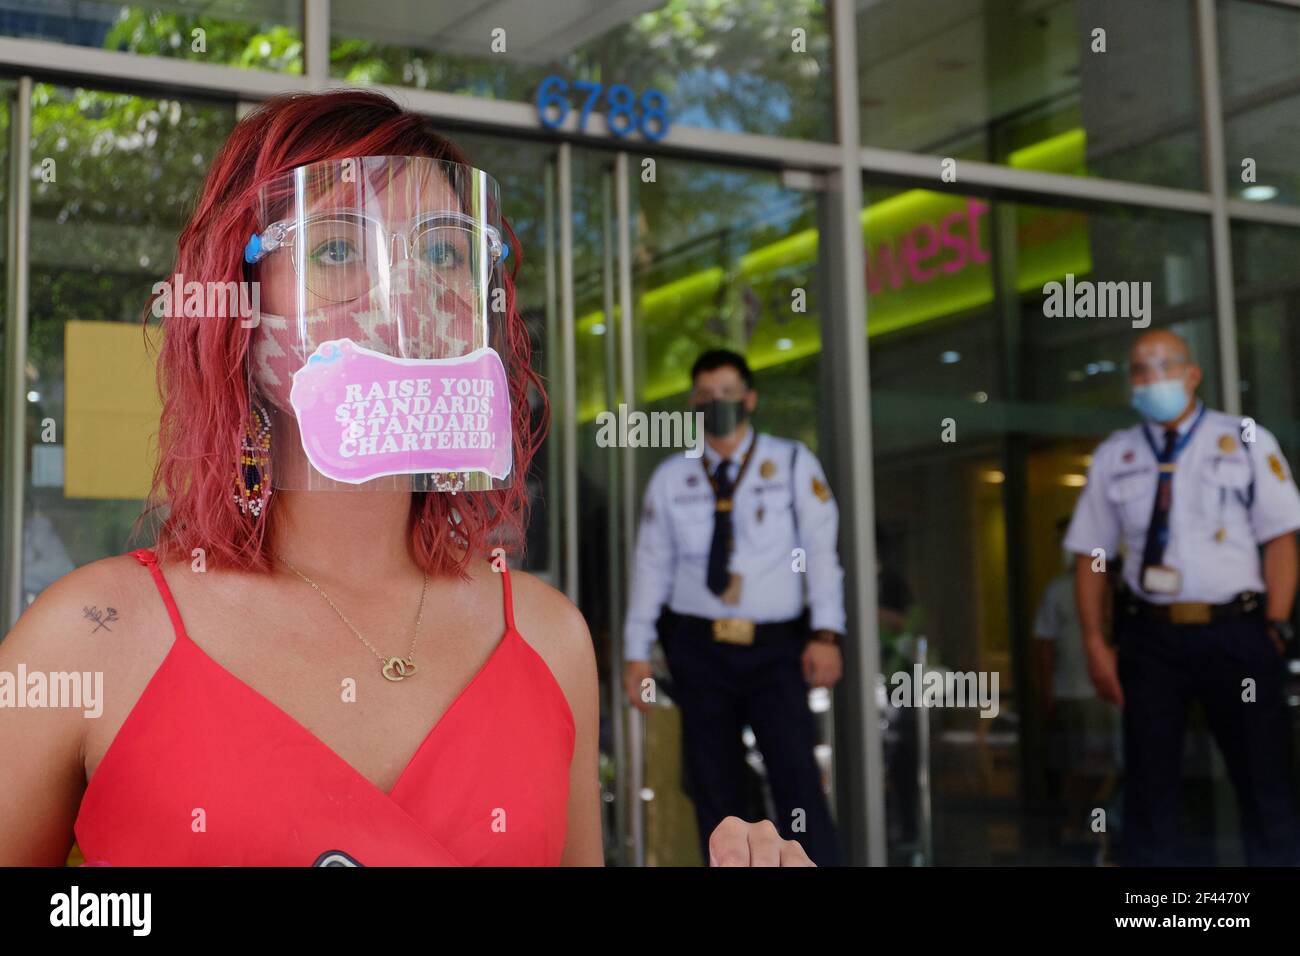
(1058, 621)
(672, 549)
(1229, 496)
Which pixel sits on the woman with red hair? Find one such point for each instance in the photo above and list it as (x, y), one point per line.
(344, 463)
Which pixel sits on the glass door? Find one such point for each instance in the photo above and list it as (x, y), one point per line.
(697, 256)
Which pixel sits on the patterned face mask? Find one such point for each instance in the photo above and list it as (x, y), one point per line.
(418, 317)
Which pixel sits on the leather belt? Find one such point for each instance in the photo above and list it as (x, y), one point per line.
(1193, 612)
(739, 631)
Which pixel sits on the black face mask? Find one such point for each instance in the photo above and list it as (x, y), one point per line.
(722, 417)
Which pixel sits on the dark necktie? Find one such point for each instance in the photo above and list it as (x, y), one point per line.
(720, 549)
(1158, 531)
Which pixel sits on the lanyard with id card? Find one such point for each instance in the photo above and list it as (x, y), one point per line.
(1158, 577)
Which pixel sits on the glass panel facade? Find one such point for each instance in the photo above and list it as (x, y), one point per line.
(757, 66)
(1260, 80)
(600, 584)
(252, 34)
(524, 206)
(1267, 289)
(985, 411)
(123, 172)
(1035, 85)
(985, 405)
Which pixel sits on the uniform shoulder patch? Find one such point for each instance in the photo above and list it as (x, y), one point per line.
(820, 490)
(1275, 465)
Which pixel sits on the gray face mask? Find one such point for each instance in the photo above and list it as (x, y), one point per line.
(722, 417)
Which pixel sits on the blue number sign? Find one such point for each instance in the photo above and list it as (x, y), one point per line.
(624, 113)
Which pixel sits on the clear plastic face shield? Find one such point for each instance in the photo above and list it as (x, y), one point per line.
(375, 363)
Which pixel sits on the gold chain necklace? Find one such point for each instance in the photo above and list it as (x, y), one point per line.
(394, 668)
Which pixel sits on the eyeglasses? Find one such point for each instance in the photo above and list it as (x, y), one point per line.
(1156, 368)
(341, 255)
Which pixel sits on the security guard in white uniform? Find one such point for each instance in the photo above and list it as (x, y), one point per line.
(731, 542)
(1192, 496)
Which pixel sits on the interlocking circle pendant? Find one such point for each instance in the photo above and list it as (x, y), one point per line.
(397, 668)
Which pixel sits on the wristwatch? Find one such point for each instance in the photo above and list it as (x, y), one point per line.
(826, 637)
(1283, 630)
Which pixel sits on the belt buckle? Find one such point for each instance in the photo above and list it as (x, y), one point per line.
(1189, 613)
(733, 630)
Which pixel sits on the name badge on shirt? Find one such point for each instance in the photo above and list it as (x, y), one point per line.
(1161, 579)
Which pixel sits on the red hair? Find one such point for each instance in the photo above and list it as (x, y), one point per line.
(202, 365)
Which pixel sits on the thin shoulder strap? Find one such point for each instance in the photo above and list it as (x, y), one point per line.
(509, 602)
(150, 561)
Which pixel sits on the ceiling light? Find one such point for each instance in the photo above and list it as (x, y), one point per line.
(1259, 193)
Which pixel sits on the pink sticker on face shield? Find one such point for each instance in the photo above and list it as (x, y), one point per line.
(363, 414)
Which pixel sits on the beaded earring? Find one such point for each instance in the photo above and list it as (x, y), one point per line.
(253, 474)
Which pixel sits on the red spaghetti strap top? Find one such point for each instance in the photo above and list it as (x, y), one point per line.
(205, 771)
(509, 601)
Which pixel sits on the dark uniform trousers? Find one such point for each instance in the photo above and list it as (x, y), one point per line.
(1162, 668)
(721, 687)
